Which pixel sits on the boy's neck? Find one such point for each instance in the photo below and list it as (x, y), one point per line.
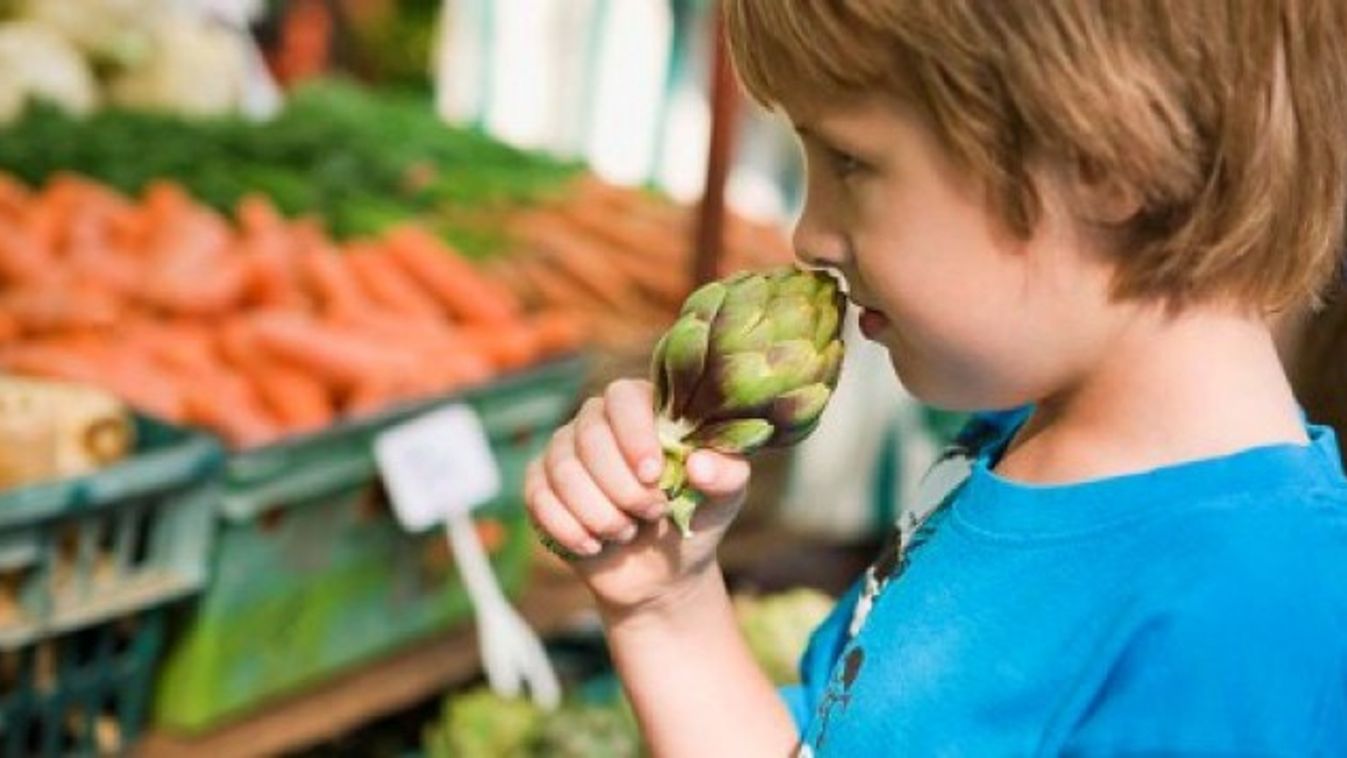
(1204, 384)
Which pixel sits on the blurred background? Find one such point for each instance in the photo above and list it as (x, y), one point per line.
(244, 242)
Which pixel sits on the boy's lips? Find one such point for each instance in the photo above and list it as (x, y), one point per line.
(872, 322)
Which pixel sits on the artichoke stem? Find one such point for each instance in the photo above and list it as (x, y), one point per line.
(672, 435)
(682, 508)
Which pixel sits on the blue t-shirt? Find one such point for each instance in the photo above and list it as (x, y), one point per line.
(1196, 608)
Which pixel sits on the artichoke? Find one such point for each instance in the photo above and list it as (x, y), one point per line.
(750, 362)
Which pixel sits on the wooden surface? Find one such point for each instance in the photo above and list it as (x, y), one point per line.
(381, 688)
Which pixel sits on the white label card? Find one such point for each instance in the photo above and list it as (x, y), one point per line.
(436, 465)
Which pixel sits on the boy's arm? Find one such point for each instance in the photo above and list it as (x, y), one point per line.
(692, 681)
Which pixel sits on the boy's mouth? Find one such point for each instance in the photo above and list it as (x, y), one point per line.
(872, 323)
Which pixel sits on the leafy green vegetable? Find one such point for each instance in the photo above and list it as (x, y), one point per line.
(481, 724)
(361, 160)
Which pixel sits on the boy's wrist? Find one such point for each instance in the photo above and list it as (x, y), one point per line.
(679, 603)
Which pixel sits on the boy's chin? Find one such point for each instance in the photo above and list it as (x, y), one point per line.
(936, 391)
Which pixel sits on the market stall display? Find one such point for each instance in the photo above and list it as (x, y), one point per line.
(257, 333)
(362, 162)
(82, 54)
(88, 567)
(50, 430)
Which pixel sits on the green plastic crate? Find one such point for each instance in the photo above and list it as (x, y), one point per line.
(312, 574)
(87, 566)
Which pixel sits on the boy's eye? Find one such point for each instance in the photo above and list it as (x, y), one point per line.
(844, 164)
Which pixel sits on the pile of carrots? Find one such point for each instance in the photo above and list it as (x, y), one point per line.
(619, 259)
(256, 327)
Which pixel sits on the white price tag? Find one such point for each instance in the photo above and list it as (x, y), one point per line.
(437, 465)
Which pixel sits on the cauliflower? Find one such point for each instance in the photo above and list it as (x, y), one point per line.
(112, 32)
(777, 628)
(193, 68)
(36, 62)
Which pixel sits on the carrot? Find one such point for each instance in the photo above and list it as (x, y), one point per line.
(14, 198)
(227, 404)
(631, 235)
(164, 199)
(108, 267)
(204, 287)
(555, 288)
(369, 397)
(445, 359)
(43, 225)
(298, 401)
(272, 281)
(656, 263)
(388, 285)
(9, 329)
(113, 369)
(464, 293)
(579, 259)
(508, 347)
(328, 276)
(257, 215)
(557, 332)
(60, 304)
(22, 257)
(333, 356)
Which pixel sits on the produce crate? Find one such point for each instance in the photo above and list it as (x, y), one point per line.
(87, 566)
(312, 574)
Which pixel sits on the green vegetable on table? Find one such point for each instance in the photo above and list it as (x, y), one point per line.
(361, 160)
(751, 362)
(480, 724)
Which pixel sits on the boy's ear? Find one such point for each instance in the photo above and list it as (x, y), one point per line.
(1103, 199)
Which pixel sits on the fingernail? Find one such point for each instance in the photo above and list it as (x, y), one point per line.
(590, 547)
(700, 467)
(655, 512)
(650, 469)
(628, 534)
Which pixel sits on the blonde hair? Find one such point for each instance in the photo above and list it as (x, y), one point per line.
(1223, 122)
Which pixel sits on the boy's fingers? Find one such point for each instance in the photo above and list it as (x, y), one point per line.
(576, 489)
(628, 404)
(597, 449)
(552, 518)
(717, 475)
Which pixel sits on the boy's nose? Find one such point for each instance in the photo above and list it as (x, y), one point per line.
(816, 246)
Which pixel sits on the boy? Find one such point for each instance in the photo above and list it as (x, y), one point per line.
(1086, 210)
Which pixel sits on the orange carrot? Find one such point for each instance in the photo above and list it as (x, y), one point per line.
(258, 216)
(508, 347)
(9, 329)
(332, 281)
(108, 267)
(331, 355)
(227, 404)
(59, 304)
(272, 279)
(203, 287)
(22, 257)
(580, 259)
(298, 401)
(14, 198)
(445, 359)
(123, 374)
(388, 285)
(557, 332)
(464, 293)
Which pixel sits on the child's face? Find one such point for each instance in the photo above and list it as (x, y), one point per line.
(972, 317)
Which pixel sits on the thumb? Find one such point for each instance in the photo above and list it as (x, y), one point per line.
(717, 475)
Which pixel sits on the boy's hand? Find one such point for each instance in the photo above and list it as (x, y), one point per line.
(593, 492)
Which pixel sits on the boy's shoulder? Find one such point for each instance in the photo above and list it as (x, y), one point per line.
(1275, 568)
